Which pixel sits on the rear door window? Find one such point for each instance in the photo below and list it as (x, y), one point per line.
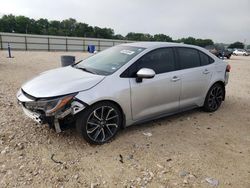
(188, 57)
(204, 59)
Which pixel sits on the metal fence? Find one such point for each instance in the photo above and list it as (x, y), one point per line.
(53, 43)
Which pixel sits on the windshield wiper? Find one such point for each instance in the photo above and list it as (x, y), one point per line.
(85, 69)
(74, 64)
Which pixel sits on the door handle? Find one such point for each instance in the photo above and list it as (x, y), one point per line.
(206, 71)
(175, 79)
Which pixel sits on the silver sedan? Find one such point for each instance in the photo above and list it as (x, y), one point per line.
(124, 85)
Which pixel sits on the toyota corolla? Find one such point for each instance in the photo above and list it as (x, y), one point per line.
(124, 85)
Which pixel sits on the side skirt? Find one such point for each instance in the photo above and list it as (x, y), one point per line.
(161, 116)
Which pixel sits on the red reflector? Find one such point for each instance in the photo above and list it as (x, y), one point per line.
(228, 69)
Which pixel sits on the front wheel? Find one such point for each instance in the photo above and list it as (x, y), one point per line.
(99, 123)
(214, 98)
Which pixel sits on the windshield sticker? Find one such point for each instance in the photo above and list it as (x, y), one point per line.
(127, 52)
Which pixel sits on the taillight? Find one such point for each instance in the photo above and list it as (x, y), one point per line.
(228, 68)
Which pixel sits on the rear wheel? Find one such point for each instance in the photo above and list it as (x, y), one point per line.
(99, 123)
(214, 98)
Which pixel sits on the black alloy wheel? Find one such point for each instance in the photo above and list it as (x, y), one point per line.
(100, 122)
(214, 98)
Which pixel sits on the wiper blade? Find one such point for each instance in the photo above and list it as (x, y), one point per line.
(74, 64)
(85, 69)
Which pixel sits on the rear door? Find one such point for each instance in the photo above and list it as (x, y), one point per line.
(160, 94)
(195, 73)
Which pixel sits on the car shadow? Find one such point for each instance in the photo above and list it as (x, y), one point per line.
(182, 116)
(71, 134)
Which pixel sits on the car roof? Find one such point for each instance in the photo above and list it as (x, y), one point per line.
(154, 45)
(150, 45)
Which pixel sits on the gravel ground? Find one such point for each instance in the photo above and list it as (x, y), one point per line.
(192, 149)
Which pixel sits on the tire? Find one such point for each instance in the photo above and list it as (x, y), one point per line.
(99, 123)
(214, 98)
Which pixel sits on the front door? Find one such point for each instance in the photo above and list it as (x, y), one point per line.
(158, 95)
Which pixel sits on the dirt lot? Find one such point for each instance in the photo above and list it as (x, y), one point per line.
(183, 150)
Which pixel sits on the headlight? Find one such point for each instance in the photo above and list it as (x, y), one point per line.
(54, 105)
(49, 106)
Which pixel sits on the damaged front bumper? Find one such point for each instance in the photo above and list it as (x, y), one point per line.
(33, 115)
(62, 111)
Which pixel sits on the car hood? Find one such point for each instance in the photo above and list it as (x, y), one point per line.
(61, 81)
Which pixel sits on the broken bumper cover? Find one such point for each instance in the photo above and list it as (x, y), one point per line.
(33, 115)
(33, 109)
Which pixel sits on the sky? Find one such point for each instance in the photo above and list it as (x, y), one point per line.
(220, 20)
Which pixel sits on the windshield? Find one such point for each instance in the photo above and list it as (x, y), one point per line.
(110, 60)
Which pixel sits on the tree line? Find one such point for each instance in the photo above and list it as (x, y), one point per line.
(70, 27)
(239, 45)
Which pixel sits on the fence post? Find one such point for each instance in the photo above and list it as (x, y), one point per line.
(1, 42)
(48, 45)
(113, 43)
(66, 44)
(99, 45)
(25, 40)
(83, 43)
(9, 51)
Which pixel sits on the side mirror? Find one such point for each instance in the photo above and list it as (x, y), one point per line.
(145, 73)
